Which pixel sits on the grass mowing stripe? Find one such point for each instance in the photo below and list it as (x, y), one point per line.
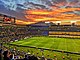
(33, 42)
(70, 45)
(66, 48)
(30, 43)
(58, 44)
(48, 43)
(76, 48)
(51, 42)
(77, 42)
(42, 44)
(38, 42)
(62, 45)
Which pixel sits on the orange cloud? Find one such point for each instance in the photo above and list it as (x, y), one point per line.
(59, 14)
(23, 22)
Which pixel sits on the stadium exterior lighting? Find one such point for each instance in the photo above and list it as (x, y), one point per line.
(47, 22)
(73, 22)
(58, 22)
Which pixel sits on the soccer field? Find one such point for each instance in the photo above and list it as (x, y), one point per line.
(66, 44)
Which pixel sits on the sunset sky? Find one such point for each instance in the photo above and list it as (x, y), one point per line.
(33, 11)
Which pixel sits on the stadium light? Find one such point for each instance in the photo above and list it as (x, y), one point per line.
(47, 22)
(58, 22)
(73, 22)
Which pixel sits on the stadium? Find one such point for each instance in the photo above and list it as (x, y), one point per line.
(39, 29)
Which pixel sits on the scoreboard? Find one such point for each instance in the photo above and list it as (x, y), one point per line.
(7, 19)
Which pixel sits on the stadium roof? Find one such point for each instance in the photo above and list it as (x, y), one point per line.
(32, 11)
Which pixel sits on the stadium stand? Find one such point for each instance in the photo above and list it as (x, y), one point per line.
(13, 33)
(71, 31)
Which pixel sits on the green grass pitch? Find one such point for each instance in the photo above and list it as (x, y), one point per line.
(66, 44)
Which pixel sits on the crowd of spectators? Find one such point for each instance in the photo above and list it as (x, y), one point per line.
(12, 33)
(13, 54)
(6, 54)
(8, 34)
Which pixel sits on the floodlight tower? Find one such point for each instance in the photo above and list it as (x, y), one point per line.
(73, 23)
(58, 22)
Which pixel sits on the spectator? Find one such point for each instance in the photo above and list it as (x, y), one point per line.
(11, 57)
(33, 58)
(6, 55)
(42, 58)
(0, 54)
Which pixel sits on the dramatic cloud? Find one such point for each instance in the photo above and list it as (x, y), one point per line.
(42, 10)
